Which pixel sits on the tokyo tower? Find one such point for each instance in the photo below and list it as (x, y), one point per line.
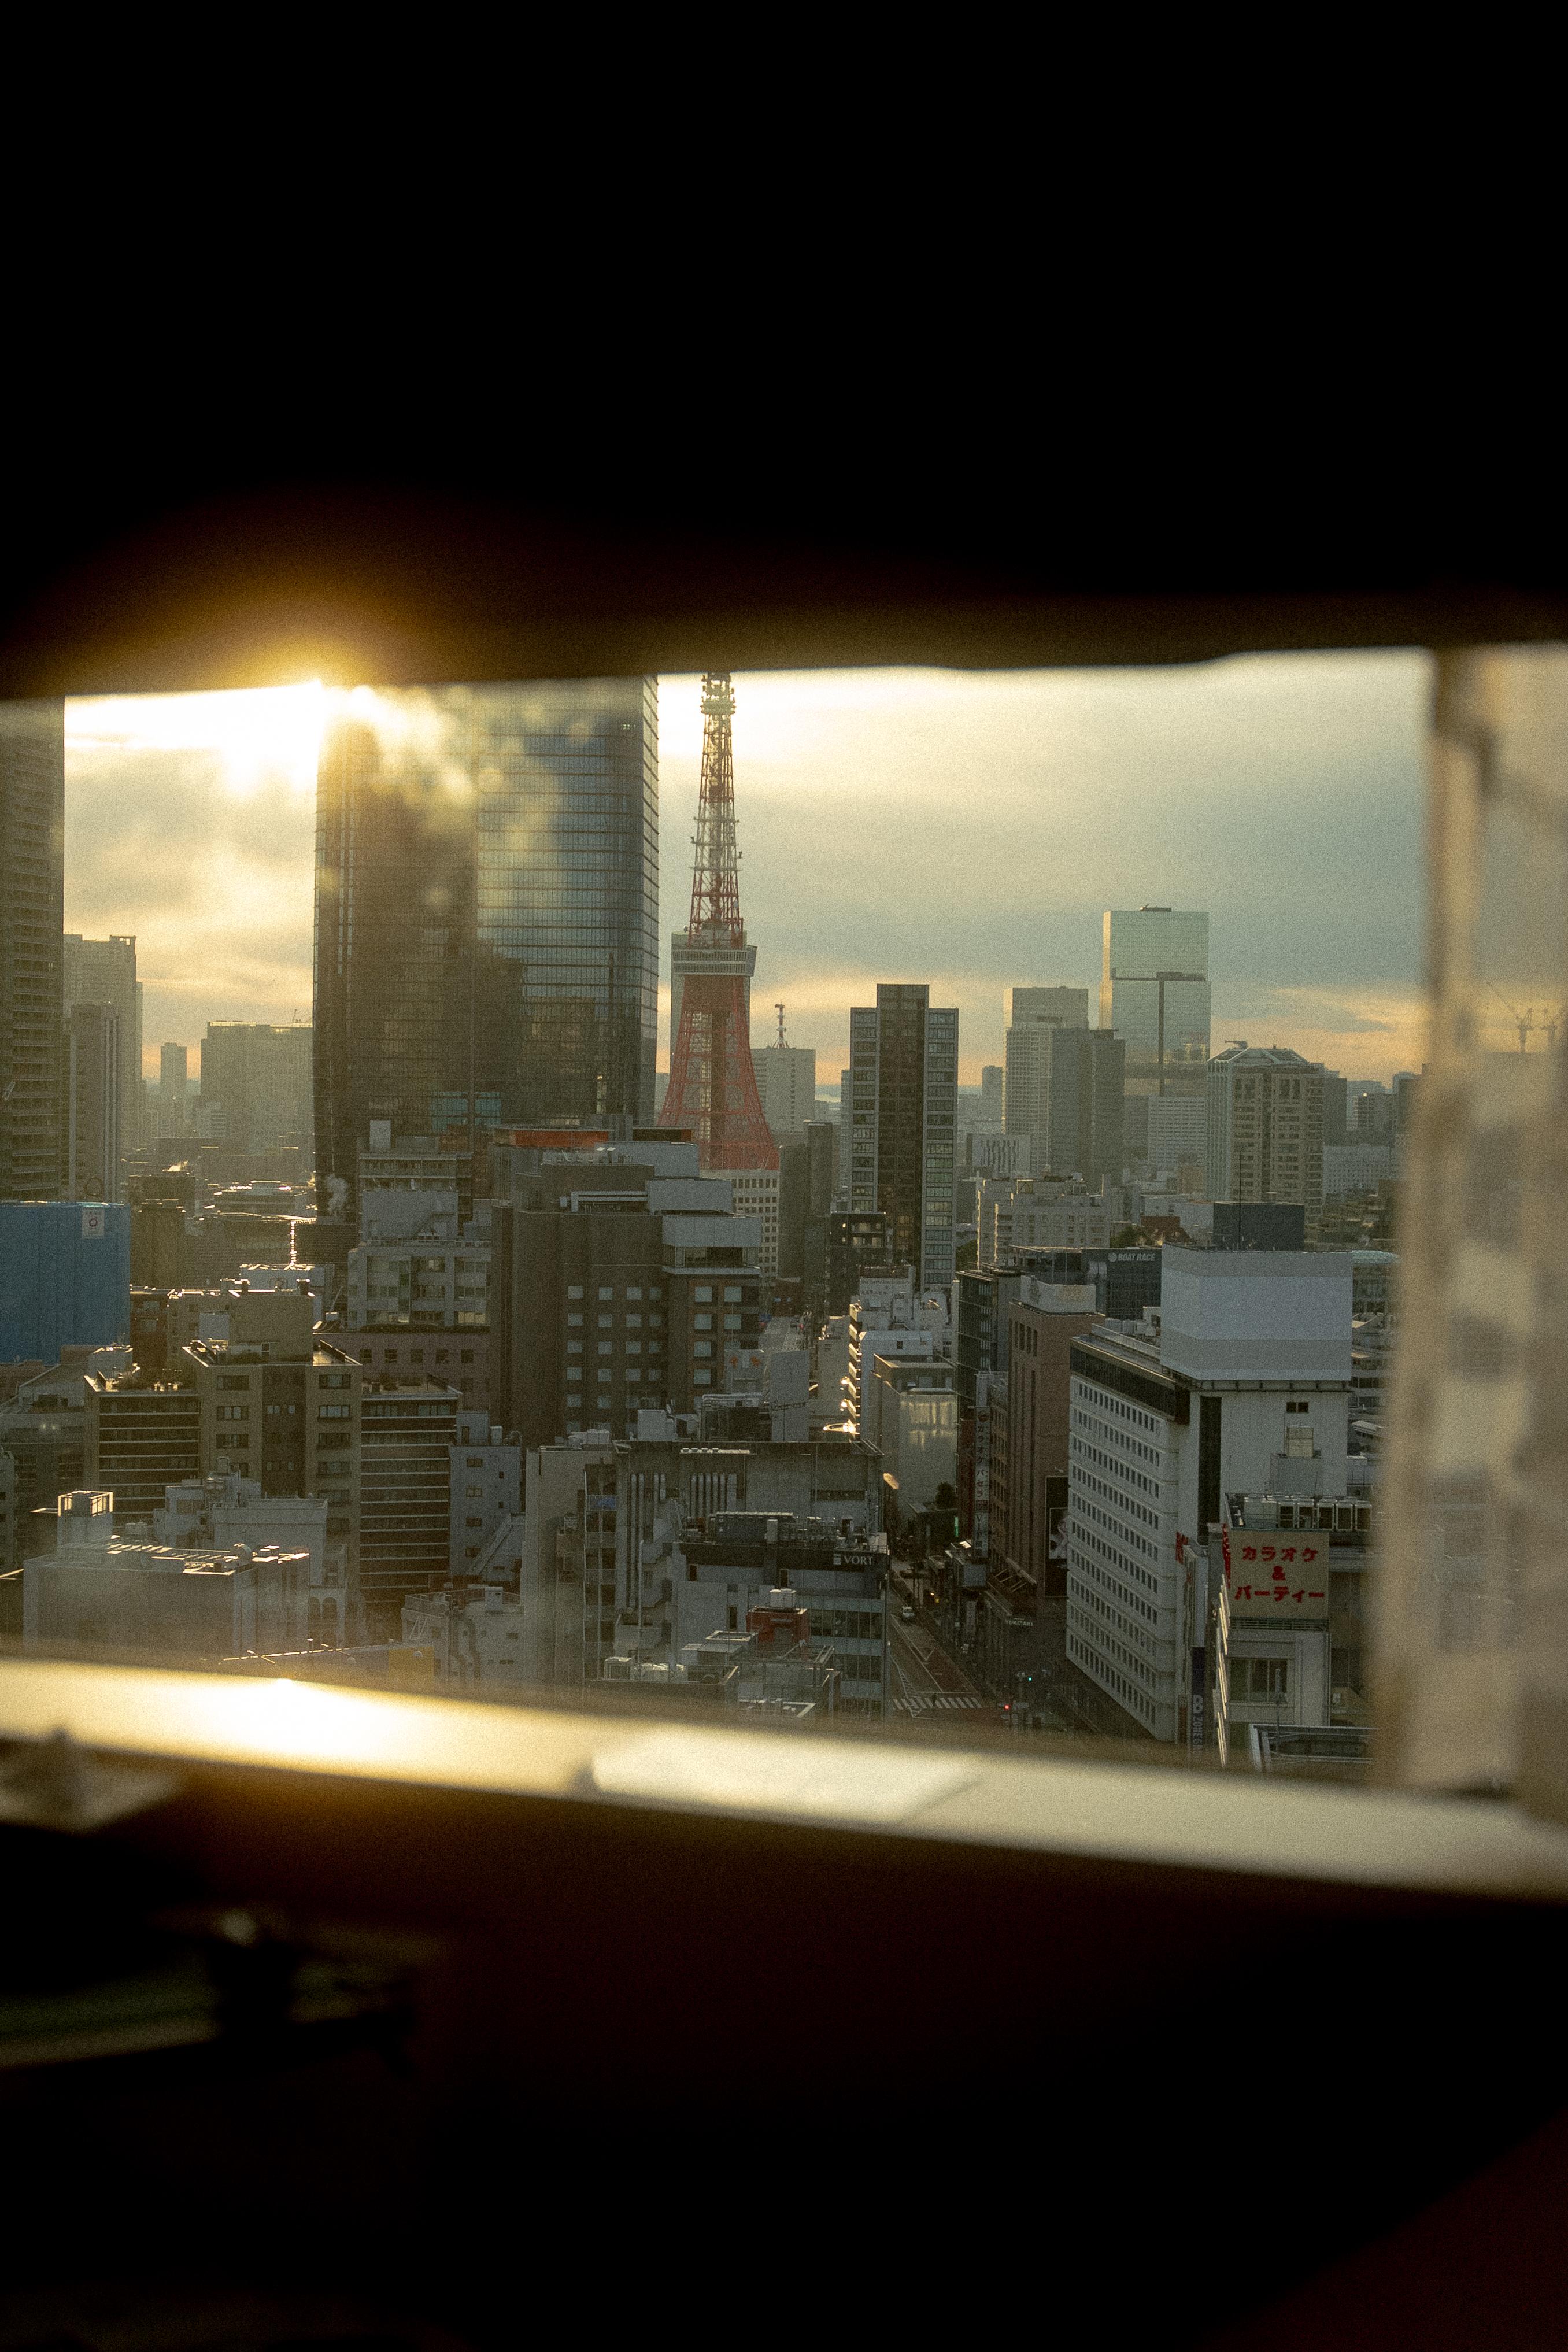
(712, 1085)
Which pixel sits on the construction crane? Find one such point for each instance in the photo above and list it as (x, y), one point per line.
(1526, 1021)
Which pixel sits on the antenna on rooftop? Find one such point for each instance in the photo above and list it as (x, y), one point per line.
(778, 1008)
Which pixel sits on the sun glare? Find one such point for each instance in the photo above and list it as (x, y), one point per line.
(258, 733)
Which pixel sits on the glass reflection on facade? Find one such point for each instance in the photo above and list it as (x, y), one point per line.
(487, 910)
(1154, 993)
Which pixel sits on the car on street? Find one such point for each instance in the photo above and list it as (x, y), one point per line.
(906, 1614)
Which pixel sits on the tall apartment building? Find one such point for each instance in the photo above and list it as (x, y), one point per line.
(259, 1074)
(1244, 1390)
(755, 1193)
(622, 1282)
(1036, 1015)
(836, 1247)
(144, 1435)
(903, 1115)
(407, 1431)
(1266, 1127)
(992, 1095)
(32, 931)
(93, 1127)
(1154, 993)
(103, 971)
(487, 886)
(1085, 1107)
(786, 1080)
(1177, 1134)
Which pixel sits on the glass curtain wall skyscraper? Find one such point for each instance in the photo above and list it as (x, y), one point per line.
(487, 911)
(1154, 993)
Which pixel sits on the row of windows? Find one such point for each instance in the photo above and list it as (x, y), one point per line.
(1086, 1480)
(1082, 1451)
(607, 1346)
(575, 1290)
(1118, 1408)
(416, 1356)
(1090, 1661)
(1110, 1615)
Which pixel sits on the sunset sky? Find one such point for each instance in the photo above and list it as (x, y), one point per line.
(962, 828)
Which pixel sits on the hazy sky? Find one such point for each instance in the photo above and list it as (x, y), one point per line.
(962, 828)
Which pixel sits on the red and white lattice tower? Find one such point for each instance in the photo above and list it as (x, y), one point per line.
(712, 1085)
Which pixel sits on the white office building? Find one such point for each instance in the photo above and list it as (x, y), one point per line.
(786, 1080)
(1240, 1384)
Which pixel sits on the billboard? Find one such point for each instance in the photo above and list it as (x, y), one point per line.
(1280, 1573)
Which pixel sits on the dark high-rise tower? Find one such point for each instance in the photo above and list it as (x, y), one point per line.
(487, 911)
(903, 1105)
(32, 933)
(712, 1082)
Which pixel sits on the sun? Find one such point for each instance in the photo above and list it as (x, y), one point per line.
(259, 733)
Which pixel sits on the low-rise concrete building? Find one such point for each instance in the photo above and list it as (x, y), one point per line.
(98, 1591)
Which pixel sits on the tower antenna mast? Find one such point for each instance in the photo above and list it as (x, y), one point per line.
(712, 1081)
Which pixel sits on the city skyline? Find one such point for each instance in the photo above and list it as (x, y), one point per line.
(1281, 794)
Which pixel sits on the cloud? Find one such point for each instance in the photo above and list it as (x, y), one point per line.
(963, 828)
(970, 829)
(216, 886)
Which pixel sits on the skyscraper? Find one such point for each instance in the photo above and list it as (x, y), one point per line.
(786, 1080)
(32, 927)
(94, 1128)
(1266, 1127)
(903, 1101)
(1154, 993)
(103, 971)
(1084, 1109)
(259, 1074)
(173, 1108)
(487, 889)
(1037, 1015)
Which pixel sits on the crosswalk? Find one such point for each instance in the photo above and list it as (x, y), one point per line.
(923, 1702)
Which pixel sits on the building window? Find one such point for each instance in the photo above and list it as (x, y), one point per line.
(1259, 1677)
(702, 1379)
(730, 1294)
(703, 1348)
(574, 1290)
(703, 1294)
(606, 1293)
(364, 1356)
(702, 1322)
(635, 1293)
(467, 1356)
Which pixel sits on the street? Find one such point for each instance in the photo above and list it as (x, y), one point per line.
(924, 1679)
